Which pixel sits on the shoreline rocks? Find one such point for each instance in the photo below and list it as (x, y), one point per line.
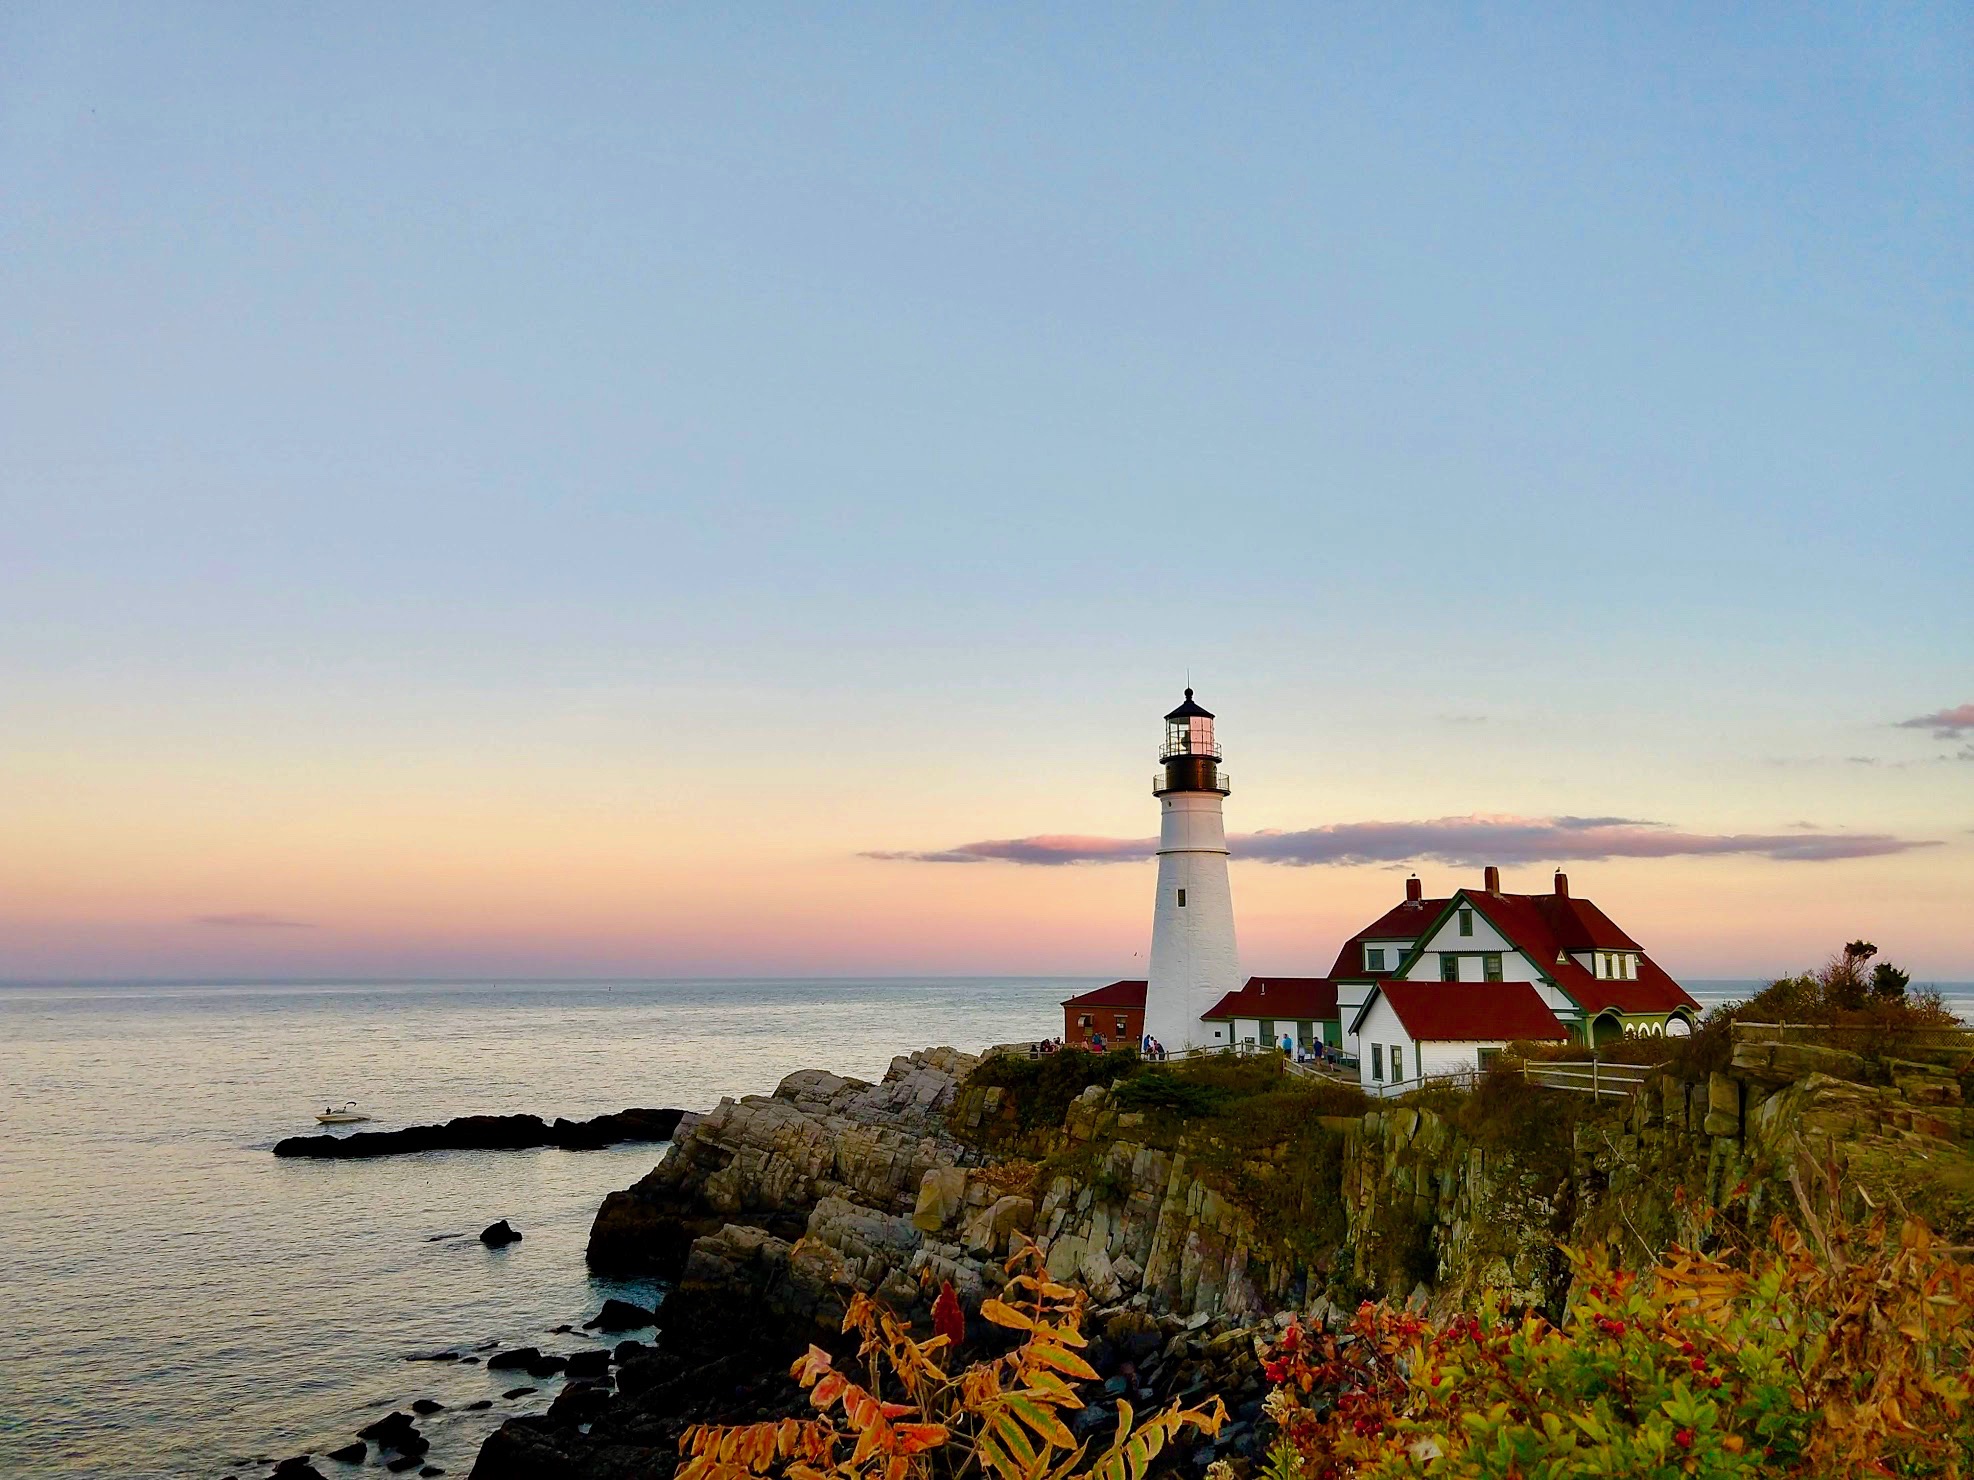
(489, 1133)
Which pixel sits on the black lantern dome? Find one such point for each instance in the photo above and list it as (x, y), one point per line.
(1190, 755)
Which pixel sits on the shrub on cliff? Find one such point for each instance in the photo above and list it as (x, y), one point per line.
(1826, 1355)
(912, 1414)
(1866, 1012)
(1040, 1089)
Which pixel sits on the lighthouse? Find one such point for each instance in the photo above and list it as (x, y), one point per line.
(1193, 960)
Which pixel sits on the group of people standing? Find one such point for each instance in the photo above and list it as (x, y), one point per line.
(1151, 1050)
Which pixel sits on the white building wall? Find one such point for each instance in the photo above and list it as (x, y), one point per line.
(1194, 961)
(1421, 1059)
(1349, 1000)
(1382, 1028)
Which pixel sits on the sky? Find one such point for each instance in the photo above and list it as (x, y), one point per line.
(686, 490)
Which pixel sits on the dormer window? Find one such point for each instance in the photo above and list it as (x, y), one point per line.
(1374, 958)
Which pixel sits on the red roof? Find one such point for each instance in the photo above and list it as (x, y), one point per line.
(1117, 994)
(1467, 1012)
(1407, 921)
(1546, 926)
(1309, 997)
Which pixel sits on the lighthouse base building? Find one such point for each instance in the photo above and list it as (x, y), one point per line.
(1432, 989)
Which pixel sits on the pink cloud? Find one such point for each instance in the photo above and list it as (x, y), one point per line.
(1946, 724)
(1467, 841)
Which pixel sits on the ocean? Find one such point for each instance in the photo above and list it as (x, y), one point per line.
(180, 1303)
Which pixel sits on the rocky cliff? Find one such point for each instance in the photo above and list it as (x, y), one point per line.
(1196, 1234)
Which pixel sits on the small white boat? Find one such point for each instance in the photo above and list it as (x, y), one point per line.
(348, 1115)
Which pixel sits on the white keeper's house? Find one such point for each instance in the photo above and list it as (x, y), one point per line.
(1432, 987)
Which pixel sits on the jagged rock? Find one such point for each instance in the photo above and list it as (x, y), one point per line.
(941, 1192)
(591, 1363)
(1785, 1063)
(351, 1454)
(391, 1431)
(989, 1230)
(620, 1315)
(520, 1356)
(578, 1403)
(1723, 1106)
(499, 1235)
(802, 1196)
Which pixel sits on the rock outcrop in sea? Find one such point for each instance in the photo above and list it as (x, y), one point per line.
(489, 1133)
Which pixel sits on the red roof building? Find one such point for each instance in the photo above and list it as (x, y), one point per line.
(1486, 1012)
(1116, 1013)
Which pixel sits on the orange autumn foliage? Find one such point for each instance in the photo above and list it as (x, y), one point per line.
(913, 1416)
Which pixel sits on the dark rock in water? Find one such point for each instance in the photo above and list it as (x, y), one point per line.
(402, 1463)
(427, 1405)
(433, 1357)
(495, 1235)
(628, 1349)
(520, 1356)
(388, 1429)
(478, 1404)
(592, 1363)
(297, 1468)
(547, 1365)
(621, 1315)
(489, 1133)
(351, 1454)
(562, 1330)
(578, 1403)
(433, 1470)
(469, 1361)
(520, 1392)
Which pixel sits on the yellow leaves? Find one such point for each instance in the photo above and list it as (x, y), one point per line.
(1062, 1361)
(1003, 1314)
(1045, 1424)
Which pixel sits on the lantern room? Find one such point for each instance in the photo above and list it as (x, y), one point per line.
(1190, 754)
(1189, 731)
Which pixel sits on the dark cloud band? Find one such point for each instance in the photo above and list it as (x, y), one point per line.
(1465, 841)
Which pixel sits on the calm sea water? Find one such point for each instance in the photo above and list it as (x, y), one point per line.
(178, 1301)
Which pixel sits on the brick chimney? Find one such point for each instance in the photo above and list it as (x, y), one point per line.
(1491, 879)
(1562, 885)
(1414, 890)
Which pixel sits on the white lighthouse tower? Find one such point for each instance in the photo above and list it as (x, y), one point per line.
(1193, 960)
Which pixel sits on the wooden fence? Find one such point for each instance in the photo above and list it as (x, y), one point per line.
(1589, 1076)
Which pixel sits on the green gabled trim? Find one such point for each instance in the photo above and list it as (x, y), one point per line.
(1473, 902)
(1419, 946)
